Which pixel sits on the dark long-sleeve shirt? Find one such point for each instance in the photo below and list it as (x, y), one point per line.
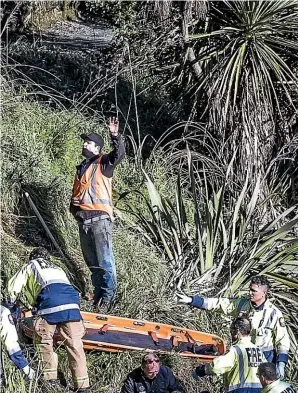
(164, 382)
(109, 162)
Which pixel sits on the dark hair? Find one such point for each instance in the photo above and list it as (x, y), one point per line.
(260, 280)
(268, 371)
(39, 252)
(144, 358)
(242, 324)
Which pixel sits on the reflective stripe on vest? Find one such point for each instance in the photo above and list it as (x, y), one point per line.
(94, 200)
(246, 385)
(51, 310)
(94, 190)
(56, 282)
(241, 365)
(16, 349)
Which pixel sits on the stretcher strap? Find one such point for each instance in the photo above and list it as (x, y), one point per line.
(175, 341)
(154, 337)
(189, 337)
(104, 328)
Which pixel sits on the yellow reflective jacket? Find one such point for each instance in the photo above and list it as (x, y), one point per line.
(239, 367)
(268, 326)
(46, 288)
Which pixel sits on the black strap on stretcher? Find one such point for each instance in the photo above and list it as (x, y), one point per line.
(154, 337)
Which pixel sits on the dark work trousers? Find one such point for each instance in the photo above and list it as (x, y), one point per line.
(96, 244)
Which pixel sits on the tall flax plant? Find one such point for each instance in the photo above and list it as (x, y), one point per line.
(248, 46)
(225, 241)
(216, 249)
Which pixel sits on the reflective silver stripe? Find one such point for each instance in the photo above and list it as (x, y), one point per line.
(96, 200)
(241, 364)
(251, 385)
(51, 310)
(37, 271)
(16, 349)
(60, 281)
(92, 190)
(267, 348)
(282, 351)
(270, 319)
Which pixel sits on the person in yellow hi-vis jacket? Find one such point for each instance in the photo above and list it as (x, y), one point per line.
(56, 304)
(10, 341)
(270, 382)
(268, 325)
(239, 366)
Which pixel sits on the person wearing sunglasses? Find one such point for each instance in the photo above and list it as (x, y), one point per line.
(270, 381)
(151, 377)
(239, 365)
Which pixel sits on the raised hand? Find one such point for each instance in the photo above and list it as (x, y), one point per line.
(114, 126)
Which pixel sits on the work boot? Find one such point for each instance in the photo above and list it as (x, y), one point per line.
(51, 384)
(103, 307)
(81, 390)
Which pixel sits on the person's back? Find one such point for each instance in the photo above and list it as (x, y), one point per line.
(57, 305)
(239, 366)
(241, 369)
(47, 289)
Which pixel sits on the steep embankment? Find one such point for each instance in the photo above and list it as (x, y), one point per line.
(40, 148)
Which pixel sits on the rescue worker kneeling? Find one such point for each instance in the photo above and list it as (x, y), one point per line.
(270, 382)
(56, 303)
(239, 366)
(9, 338)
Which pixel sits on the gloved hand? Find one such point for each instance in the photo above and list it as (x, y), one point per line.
(280, 369)
(183, 299)
(29, 372)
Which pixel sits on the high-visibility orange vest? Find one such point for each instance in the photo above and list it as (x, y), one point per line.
(94, 190)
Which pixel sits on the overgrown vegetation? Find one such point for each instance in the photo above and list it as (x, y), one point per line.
(200, 207)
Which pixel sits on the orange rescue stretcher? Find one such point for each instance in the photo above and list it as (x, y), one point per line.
(116, 334)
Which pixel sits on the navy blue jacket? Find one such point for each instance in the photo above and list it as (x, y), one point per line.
(164, 382)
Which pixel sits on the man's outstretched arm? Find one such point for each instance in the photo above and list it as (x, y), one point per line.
(224, 305)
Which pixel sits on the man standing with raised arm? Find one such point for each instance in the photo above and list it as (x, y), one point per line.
(92, 207)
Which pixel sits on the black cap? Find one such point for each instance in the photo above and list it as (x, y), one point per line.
(94, 137)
